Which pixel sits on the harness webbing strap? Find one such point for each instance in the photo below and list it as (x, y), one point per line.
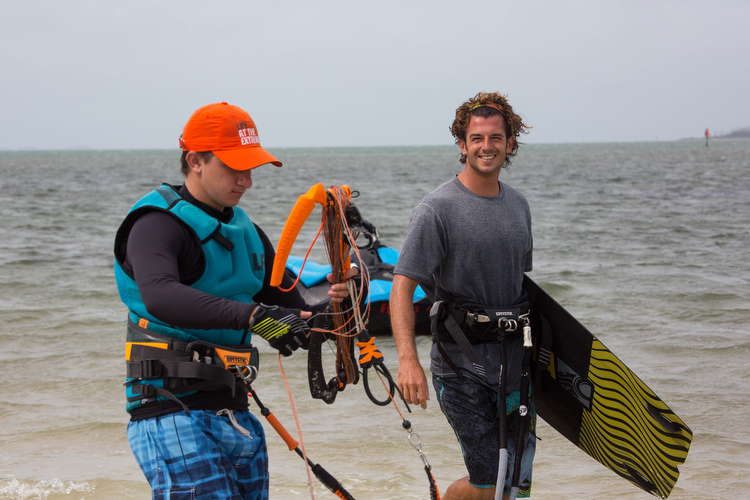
(145, 351)
(148, 390)
(460, 339)
(155, 368)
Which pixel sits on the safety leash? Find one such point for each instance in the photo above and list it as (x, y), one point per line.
(323, 475)
(416, 442)
(413, 437)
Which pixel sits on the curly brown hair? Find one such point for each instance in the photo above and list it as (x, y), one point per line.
(484, 105)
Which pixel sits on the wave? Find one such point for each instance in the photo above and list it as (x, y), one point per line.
(41, 490)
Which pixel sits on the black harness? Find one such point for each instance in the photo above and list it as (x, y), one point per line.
(159, 365)
(471, 324)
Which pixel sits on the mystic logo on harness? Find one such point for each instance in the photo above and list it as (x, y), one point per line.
(233, 358)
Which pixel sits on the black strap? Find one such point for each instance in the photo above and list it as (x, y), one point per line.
(148, 391)
(460, 339)
(141, 351)
(182, 367)
(221, 239)
(144, 369)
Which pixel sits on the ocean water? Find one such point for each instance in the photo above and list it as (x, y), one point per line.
(647, 244)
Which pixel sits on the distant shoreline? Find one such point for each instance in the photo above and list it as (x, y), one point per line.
(743, 133)
(737, 134)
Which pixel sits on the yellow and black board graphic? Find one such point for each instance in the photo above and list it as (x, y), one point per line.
(588, 395)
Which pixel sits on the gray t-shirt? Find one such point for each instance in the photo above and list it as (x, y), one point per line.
(474, 248)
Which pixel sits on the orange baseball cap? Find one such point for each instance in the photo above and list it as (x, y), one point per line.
(229, 133)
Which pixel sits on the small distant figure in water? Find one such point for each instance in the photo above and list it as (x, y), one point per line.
(707, 134)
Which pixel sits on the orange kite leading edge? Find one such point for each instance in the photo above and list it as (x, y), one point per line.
(297, 217)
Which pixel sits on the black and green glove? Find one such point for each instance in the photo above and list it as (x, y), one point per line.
(281, 327)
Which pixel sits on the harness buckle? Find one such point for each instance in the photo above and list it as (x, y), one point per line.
(144, 369)
(145, 390)
(473, 318)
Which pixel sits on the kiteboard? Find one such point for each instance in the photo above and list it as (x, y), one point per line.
(587, 394)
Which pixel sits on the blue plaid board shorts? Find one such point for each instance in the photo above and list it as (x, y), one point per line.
(472, 411)
(201, 456)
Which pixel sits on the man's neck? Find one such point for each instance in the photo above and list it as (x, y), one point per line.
(224, 215)
(479, 184)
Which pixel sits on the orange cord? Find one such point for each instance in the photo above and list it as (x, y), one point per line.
(299, 428)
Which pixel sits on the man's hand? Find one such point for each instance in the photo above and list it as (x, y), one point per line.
(413, 383)
(283, 328)
(339, 291)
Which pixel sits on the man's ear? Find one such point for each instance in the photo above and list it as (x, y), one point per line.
(462, 146)
(194, 161)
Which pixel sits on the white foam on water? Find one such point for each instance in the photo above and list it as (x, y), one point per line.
(42, 490)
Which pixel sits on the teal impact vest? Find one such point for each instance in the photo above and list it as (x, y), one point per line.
(234, 269)
(234, 257)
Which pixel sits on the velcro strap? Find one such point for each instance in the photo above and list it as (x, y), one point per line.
(181, 369)
(148, 351)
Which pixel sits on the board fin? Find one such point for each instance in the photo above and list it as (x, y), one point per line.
(640, 480)
(668, 425)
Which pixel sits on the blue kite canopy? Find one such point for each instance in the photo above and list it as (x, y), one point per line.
(380, 261)
(314, 274)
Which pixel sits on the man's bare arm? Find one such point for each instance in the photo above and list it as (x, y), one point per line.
(411, 377)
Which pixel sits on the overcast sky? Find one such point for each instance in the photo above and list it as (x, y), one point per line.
(128, 74)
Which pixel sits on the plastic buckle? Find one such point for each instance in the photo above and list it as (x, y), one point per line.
(150, 368)
(145, 390)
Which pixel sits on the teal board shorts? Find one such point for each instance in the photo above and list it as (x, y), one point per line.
(472, 410)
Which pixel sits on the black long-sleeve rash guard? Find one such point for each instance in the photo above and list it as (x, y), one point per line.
(165, 258)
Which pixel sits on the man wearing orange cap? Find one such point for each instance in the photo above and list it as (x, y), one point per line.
(194, 271)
